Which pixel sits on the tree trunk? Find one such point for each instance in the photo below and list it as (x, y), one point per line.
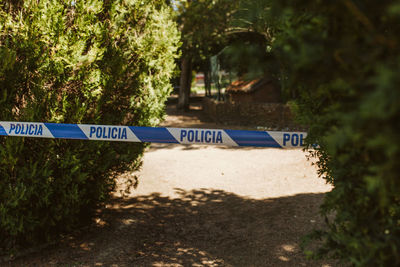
(185, 83)
(219, 90)
(207, 82)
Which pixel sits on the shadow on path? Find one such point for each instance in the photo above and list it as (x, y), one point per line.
(203, 227)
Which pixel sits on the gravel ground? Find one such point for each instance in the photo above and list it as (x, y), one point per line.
(202, 206)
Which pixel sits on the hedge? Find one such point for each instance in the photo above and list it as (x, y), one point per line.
(96, 62)
(341, 62)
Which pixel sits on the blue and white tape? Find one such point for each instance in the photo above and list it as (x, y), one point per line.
(153, 134)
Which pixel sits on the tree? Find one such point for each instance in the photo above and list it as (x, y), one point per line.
(204, 25)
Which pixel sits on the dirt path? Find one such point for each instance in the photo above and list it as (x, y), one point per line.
(203, 206)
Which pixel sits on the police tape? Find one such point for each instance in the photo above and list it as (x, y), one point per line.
(154, 134)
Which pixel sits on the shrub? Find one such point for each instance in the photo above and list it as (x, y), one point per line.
(98, 62)
(341, 59)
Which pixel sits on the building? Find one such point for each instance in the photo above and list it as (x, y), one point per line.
(261, 90)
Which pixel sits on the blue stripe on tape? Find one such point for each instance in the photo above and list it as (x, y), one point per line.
(252, 138)
(2, 131)
(71, 131)
(155, 135)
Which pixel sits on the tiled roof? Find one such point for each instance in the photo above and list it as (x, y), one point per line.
(241, 86)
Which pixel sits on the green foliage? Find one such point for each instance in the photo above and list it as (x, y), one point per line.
(97, 62)
(341, 62)
(251, 34)
(205, 25)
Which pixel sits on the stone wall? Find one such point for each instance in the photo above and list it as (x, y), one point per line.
(272, 116)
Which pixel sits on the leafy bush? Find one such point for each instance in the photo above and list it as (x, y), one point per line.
(341, 61)
(98, 62)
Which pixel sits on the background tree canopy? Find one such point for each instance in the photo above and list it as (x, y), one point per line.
(204, 25)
